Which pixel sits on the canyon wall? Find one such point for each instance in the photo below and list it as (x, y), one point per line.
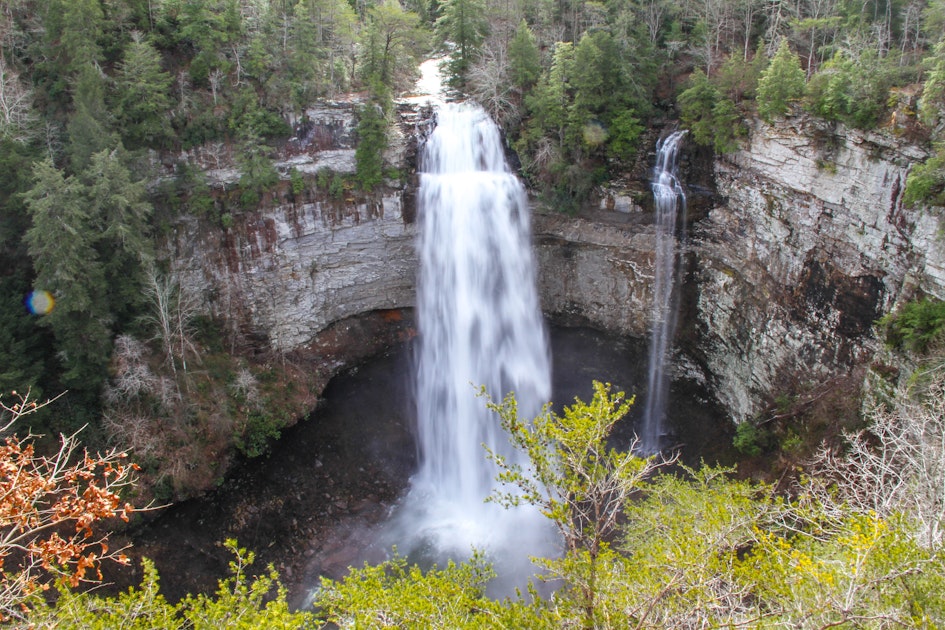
(280, 275)
(800, 247)
(798, 243)
(806, 247)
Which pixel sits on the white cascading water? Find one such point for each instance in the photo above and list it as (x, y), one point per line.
(670, 205)
(480, 323)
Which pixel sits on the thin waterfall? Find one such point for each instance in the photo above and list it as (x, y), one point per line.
(480, 323)
(670, 206)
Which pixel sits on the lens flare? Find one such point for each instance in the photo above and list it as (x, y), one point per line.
(40, 302)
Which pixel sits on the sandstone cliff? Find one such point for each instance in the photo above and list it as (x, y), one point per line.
(801, 246)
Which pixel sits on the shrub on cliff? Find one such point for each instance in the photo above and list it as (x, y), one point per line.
(915, 325)
(926, 181)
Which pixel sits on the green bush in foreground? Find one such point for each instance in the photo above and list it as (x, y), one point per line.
(240, 602)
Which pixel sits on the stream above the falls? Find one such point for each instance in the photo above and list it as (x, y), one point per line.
(314, 504)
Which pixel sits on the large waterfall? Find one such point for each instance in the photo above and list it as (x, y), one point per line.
(670, 205)
(480, 323)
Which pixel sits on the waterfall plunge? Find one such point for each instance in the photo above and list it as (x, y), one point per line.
(480, 323)
(670, 203)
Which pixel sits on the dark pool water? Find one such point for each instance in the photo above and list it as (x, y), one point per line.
(312, 506)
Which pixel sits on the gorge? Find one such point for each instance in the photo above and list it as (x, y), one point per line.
(787, 263)
(789, 260)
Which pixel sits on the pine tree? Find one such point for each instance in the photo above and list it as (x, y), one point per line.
(61, 244)
(781, 82)
(142, 101)
(524, 58)
(464, 25)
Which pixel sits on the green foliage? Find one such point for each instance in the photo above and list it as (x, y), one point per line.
(88, 240)
(296, 181)
(695, 548)
(582, 112)
(90, 126)
(524, 58)
(142, 99)
(853, 91)
(915, 325)
(738, 78)
(575, 478)
(695, 108)
(926, 181)
(933, 91)
(711, 117)
(392, 43)
(394, 594)
(625, 131)
(262, 427)
(464, 25)
(781, 82)
(372, 142)
(750, 439)
(257, 174)
(241, 602)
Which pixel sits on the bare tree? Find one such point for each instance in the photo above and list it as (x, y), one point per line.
(488, 82)
(16, 106)
(897, 464)
(172, 311)
(133, 377)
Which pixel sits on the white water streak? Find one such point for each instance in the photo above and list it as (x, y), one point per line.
(670, 205)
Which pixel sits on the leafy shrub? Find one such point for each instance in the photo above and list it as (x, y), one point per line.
(926, 182)
(750, 439)
(261, 427)
(915, 325)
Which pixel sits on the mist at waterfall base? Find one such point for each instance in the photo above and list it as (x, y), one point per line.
(480, 324)
(669, 203)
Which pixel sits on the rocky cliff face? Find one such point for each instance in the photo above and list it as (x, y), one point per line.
(803, 244)
(807, 245)
(281, 275)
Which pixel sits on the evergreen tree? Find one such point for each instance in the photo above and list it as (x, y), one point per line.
(464, 26)
(142, 95)
(781, 82)
(61, 244)
(932, 107)
(696, 105)
(118, 205)
(82, 26)
(524, 58)
(90, 127)
(853, 91)
(88, 242)
(372, 140)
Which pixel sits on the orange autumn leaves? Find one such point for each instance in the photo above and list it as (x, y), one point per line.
(49, 507)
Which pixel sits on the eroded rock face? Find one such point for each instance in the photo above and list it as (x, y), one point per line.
(282, 275)
(596, 271)
(802, 246)
(807, 246)
(279, 276)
